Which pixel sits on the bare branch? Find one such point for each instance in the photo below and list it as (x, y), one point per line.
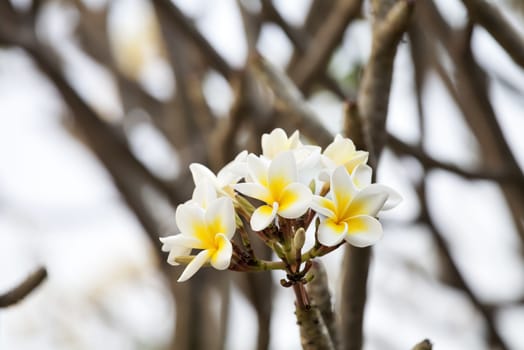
(314, 61)
(188, 28)
(290, 99)
(427, 161)
(321, 297)
(373, 97)
(23, 289)
(488, 16)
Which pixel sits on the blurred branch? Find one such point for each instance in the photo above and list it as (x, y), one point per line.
(23, 289)
(458, 278)
(129, 175)
(288, 98)
(390, 24)
(427, 161)
(492, 19)
(353, 295)
(252, 26)
(471, 95)
(312, 65)
(302, 41)
(373, 97)
(188, 28)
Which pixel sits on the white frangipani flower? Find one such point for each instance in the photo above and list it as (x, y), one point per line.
(276, 185)
(209, 230)
(229, 175)
(351, 212)
(362, 176)
(342, 151)
(277, 142)
(307, 157)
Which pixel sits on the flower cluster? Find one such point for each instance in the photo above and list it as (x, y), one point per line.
(277, 196)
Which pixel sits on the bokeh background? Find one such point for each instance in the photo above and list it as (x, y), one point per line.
(103, 104)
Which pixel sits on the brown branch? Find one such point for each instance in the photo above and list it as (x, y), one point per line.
(373, 97)
(402, 148)
(129, 175)
(456, 275)
(390, 24)
(188, 28)
(313, 332)
(23, 289)
(472, 97)
(489, 17)
(320, 296)
(353, 295)
(314, 61)
(290, 100)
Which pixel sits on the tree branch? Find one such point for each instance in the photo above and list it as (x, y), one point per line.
(23, 289)
(188, 28)
(489, 17)
(373, 97)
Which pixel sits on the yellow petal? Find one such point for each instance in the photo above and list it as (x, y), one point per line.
(331, 233)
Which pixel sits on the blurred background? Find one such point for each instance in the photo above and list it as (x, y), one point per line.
(104, 104)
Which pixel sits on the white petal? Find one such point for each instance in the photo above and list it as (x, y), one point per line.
(295, 201)
(294, 140)
(201, 173)
(258, 169)
(357, 158)
(220, 217)
(180, 240)
(340, 150)
(198, 261)
(282, 171)
(323, 206)
(221, 259)
(330, 233)
(204, 193)
(176, 252)
(368, 202)
(254, 190)
(363, 231)
(188, 217)
(342, 189)
(263, 216)
(232, 172)
(394, 198)
(362, 176)
(274, 143)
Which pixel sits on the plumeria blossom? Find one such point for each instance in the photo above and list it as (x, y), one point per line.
(279, 183)
(342, 151)
(277, 142)
(361, 177)
(351, 212)
(209, 230)
(276, 185)
(225, 178)
(307, 157)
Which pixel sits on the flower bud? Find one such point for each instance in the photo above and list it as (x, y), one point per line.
(299, 239)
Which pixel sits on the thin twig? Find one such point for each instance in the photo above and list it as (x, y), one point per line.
(23, 289)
